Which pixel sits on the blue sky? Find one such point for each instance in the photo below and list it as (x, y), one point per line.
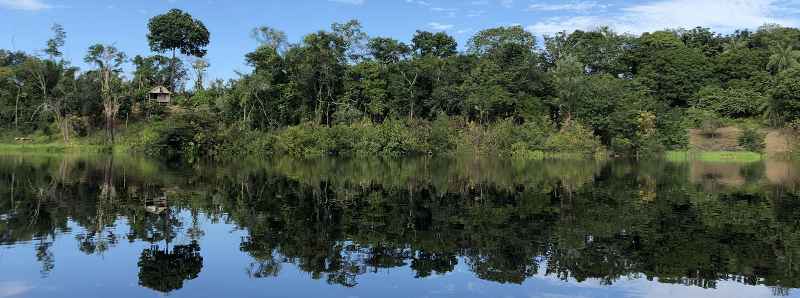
(24, 24)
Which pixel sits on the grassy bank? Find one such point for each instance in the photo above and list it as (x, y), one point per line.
(714, 156)
(52, 148)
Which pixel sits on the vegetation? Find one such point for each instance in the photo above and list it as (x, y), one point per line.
(342, 92)
(716, 156)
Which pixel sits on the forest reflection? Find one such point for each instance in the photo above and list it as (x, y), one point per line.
(688, 223)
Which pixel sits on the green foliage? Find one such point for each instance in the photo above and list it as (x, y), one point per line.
(674, 74)
(732, 102)
(752, 139)
(573, 139)
(784, 102)
(393, 138)
(696, 117)
(340, 92)
(710, 127)
(177, 30)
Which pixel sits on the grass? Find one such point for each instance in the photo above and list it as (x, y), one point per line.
(50, 148)
(714, 156)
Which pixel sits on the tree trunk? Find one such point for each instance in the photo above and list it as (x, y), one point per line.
(110, 128)
(16, 109)
(65, 129)
(172, 72)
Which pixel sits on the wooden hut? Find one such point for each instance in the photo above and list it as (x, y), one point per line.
(161, 94)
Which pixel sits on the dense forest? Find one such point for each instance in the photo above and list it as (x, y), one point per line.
(343, 92)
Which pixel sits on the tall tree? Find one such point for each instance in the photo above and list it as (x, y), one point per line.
(569, 82)
(177, 31)
(270, 37)
(54, 44)
(436, 44)
(199, 66)
(48, 77)
(108, 61)
(784, 56)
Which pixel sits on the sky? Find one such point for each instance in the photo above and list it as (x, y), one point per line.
(25, 24)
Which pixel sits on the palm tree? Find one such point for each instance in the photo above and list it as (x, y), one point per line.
(783, 57)
(734, 43)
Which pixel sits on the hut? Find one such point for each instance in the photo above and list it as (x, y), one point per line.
(160, 94)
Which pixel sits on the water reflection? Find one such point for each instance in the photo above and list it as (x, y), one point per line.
(690, 224)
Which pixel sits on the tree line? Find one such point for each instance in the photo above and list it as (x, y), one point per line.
(629, 93)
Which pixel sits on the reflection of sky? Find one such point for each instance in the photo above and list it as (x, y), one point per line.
(115, 274)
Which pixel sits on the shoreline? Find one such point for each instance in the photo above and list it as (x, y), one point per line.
(671, 155)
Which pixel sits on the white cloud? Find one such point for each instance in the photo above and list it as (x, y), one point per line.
(571, 6)
(32, 5)
(440, 26)
(448, 12)
(507, 3)
(351, 2)
(720, 15)
(558, 24)
(419, 2)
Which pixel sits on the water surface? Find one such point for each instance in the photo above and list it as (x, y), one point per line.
(103, 226)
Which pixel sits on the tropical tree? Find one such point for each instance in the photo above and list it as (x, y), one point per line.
(108, 60)
(54, 44)
(177, 31)
(270, 37)
(784, 56)
(569, 82)
(199, 66)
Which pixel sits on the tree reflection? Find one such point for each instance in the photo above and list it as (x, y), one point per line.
(507, 223)
(165, 271)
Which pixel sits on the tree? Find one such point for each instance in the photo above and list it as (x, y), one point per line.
(784, 56)
(177, 31)
(437, 44)
(48, 77)
(703, 39)
(569, 84)
(156, 70)
(673, 72)
(108, 61)
(600, 50)
(501, 38)
(270, 37)
(388, 50)
(55, 43)
(784, 102)
(199, 66)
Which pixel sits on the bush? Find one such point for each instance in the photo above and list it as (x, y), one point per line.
(695, 117)
(574, 138)
(710, 126)
(752, 139)
(190, 136)
(784, 103)
(393, 138)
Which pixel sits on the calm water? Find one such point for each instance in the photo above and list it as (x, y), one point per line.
(123, 227)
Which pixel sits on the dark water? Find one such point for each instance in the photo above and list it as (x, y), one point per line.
(124, 227)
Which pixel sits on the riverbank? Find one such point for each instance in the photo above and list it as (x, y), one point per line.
(191, 138)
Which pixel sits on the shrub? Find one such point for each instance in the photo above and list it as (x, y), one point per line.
(186, 135)
(784, 103)
(710, 126)
(695, 117)
(574, 138)
(752, 139)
